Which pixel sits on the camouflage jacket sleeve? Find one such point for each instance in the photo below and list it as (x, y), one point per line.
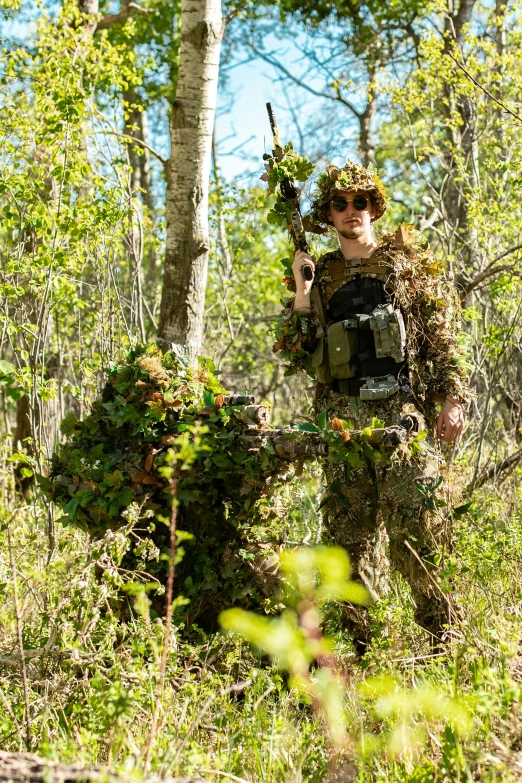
(296, 340)
(432, 307)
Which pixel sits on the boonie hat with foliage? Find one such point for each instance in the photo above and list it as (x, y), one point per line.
(351, 177)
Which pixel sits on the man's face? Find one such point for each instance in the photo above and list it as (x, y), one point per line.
(352, 223)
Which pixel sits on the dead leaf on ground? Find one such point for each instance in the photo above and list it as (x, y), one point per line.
(148, 462)
(139, 476)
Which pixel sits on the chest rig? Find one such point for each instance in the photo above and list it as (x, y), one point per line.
(362, 340)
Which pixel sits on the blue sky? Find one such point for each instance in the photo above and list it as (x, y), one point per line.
(242, 126)
(243, 130)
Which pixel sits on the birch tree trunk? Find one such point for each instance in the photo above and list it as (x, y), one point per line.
(192, 123)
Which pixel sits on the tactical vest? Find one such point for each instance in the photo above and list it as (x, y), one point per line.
(365, 334)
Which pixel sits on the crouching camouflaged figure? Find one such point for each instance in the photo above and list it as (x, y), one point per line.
(377, 328)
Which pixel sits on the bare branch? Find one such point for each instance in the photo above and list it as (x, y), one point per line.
(145, 146)
(484, 90)
(467, 287)
(235, 11)
(127, 11)
(280, 67)
(498, 467)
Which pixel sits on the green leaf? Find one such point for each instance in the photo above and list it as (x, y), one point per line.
(323, 502)
(321, 420)
(68, 424)
(6, 368)
(221, 461)
(44, 483)
(14, 393)
(354, 460)
(209, 400)
(306, 426)
(460, 510)
(71, 508)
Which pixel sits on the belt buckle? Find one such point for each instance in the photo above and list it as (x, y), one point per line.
(379, 388)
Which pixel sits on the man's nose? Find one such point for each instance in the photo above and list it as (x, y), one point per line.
(349, 207)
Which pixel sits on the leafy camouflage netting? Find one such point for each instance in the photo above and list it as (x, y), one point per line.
(351, 177)
(109, 475)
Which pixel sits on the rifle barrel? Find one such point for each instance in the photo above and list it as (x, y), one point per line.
(275, 130)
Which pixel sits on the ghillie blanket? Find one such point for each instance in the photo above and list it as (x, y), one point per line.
(429, 303)
(108, 476)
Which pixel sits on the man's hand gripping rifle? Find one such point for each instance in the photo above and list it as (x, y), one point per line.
(290, 193)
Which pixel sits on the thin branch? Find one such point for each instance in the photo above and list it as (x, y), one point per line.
(506, 253)
(19, 635)
(276, 64)
(235, 11)
(468, 287)
(126, 13)
(431, 579)
(497, 468)
(17, 657)
(143, 144)
(484, 90)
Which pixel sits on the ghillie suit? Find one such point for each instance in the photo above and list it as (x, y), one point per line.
(394, 316)
(108, 477)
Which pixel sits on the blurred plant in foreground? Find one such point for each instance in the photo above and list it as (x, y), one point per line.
(401, 715)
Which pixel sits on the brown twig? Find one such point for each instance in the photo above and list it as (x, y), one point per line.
(168, 620)
(498, 467)
(129, 10)
(19, 621)
(235, 12)
(484, 90)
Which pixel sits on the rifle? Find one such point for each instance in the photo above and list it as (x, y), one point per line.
(290, 192)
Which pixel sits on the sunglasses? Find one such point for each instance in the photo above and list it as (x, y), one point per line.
(359, 203)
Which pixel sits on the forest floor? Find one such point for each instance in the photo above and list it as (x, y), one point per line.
(89, 684)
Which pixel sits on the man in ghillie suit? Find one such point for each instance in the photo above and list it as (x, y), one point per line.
(377, 328)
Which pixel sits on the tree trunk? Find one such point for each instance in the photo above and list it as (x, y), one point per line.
(192, 123)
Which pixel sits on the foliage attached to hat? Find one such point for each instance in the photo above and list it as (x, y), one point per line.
(351, 177)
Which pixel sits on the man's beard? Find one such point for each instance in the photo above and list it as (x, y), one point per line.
(351, 233)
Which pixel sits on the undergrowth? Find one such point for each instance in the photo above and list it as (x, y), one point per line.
(91, 677)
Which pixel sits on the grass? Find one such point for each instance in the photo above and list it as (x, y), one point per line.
(91, 678)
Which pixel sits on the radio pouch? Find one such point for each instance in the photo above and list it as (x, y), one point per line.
(389, 332)
(321, 362)
(342, 350)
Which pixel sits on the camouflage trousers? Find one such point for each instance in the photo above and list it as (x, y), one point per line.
(380, 508)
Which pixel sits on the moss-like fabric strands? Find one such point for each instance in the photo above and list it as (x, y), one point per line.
(351, 177)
